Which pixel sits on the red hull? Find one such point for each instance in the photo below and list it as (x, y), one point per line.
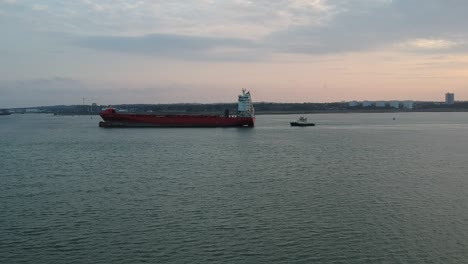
(113, 119)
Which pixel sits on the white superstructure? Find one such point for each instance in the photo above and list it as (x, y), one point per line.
(245, 107)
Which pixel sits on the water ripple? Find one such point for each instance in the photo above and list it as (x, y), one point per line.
(354, 189)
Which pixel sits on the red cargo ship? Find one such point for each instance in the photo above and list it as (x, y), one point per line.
(245, 117)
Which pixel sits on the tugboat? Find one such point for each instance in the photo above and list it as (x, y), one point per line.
(302, 122)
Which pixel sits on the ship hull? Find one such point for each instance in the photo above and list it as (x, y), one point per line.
(112, 120)
(143, 125)
(302, 124)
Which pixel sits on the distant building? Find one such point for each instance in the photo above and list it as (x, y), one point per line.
(408, 104)
(394, 104)
(449, 98)
(380, 104)
(367, 104)
(353, 103)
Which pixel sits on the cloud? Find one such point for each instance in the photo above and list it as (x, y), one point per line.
(42, 85)
(362, 26)
(43, 91)
(311, 27)
(95, 6)
(69, 91)
(430, 44)
(39, 7)
(176, 46)
(285, 26)
(237, 18)
(11, 2)
(158, 43)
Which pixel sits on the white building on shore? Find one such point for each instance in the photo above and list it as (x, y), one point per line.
(449, 98)
(408, 104)
(381, 104)
(394, 104)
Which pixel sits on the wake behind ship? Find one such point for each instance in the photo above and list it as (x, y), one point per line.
(245, 117)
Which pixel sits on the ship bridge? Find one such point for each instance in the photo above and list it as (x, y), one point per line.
(245, 107)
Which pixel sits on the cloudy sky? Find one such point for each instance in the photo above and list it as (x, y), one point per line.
(151, 51)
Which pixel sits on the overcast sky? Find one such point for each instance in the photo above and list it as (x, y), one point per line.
(149, 51)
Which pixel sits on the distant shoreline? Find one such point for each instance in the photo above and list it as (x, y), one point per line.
(261, 108)
(361, 112)
(259, 113)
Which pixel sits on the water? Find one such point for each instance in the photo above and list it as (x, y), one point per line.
(357, 188)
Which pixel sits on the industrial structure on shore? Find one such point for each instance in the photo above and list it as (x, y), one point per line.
(406, 104)
(449, 98)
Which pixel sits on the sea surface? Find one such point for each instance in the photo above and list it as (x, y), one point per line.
(357, 188)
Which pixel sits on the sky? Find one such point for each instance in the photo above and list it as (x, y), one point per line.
(56, 52)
